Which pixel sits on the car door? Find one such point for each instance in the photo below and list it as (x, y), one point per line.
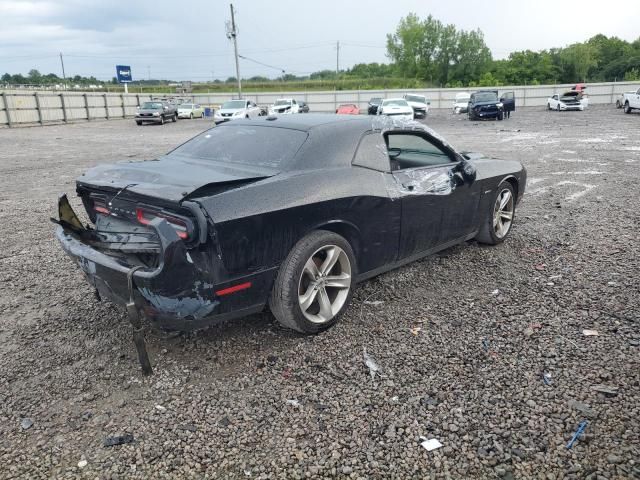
(636, 102)
(553, 101)
(439, 203)
(508, 100)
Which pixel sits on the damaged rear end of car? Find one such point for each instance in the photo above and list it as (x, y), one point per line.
(147, 223)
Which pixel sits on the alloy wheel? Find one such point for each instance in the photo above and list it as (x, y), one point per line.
(324, 284)
(503, 213)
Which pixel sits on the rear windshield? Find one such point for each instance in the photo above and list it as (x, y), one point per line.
(282, 102)
(186, 105)
(245, 145)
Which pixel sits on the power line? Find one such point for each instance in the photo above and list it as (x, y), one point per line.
(260, 63)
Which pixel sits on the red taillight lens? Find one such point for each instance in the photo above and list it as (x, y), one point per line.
(145, 216)
(100, 207)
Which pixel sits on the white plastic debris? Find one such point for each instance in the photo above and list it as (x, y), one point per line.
(495, 292)
(26, 423)
(160, 408)
(370, 363)
(293, 403)
(82, 463)
(374, 303)
(430, 444)
(590, 333)
(415, 330)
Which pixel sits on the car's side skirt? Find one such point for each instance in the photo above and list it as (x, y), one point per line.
(417, 256)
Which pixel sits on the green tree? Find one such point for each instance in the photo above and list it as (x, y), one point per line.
(438, 53)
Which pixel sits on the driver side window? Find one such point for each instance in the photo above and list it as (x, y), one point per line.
(408, 150)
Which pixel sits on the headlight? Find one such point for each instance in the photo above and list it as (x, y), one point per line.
(238, 114)
(499, 105)
(156, 114)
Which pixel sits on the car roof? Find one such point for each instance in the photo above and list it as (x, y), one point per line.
(305, 122)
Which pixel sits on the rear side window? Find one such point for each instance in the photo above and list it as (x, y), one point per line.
(372, 153)
(245, 145)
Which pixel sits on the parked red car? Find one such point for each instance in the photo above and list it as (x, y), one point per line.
(348, 109)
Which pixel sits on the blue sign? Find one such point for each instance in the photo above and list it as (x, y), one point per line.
(123, 73)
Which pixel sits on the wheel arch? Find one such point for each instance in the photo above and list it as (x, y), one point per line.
(511, 179)
(349, 231)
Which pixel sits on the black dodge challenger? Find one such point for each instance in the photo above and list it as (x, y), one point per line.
(288, 212)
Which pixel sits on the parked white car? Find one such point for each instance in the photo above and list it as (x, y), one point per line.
(396, 107)
(190, 110)
(631, 101)
(570, 100)
(461, 103)
(620, 100)
(234, 109)
(284, 106)
(419, 104)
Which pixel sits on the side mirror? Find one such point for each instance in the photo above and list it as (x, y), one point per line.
(467, 170)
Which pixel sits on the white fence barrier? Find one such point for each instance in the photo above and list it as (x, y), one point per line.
(33, 108)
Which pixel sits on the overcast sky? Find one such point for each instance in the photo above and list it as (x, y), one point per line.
(185, 40)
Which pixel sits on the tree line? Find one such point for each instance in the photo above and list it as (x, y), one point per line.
(428, 53)
(442, 55)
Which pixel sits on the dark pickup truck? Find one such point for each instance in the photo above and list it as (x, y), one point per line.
(488, 104)
(156, 111)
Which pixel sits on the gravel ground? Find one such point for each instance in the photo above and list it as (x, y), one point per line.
(249, 399)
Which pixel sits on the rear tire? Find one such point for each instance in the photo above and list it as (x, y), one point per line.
(548, 106)
(498, 220)
(303, 298)
(161, 119)
(191, 116)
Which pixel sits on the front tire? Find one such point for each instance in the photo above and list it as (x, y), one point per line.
(315, 283)
(174, 119)
(558, 107)
(161, 119)
(191, 116)
(499, 218)
(548, 106)
(627, 108)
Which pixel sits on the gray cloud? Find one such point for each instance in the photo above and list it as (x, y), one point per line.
(187, 40)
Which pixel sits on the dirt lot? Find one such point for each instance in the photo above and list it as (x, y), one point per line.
(493, 321)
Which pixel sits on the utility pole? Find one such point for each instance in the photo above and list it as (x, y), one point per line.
(232, 35)
(148, 72)
(337, 58)
(64, 77)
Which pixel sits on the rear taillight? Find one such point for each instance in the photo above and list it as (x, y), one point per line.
(99, 206)
(145, 217)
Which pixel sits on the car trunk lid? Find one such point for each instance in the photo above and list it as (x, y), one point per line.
(171, 178)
